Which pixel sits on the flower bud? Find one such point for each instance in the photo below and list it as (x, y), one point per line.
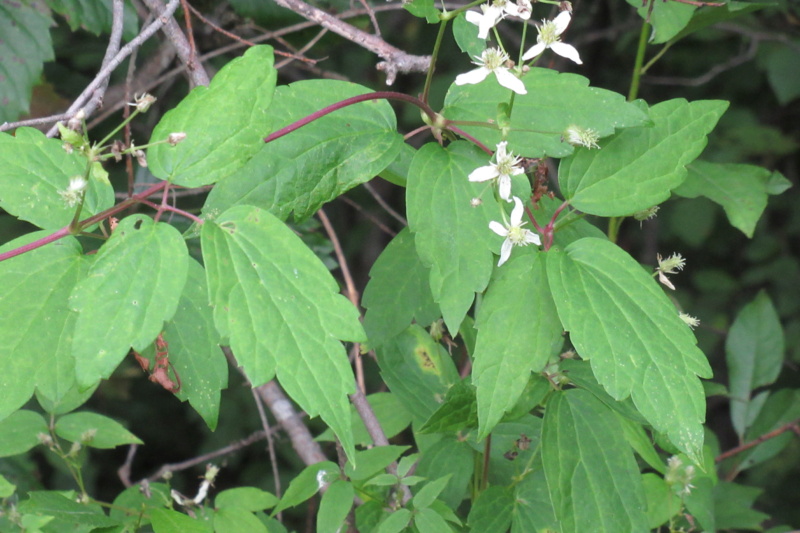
(76, 122)
(175, 138)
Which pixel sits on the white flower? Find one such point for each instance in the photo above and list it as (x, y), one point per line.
(492, 60)
(670, 265)
(507, 165)
(550, 37)
(72, 196)
(514, 233)
(495, 12)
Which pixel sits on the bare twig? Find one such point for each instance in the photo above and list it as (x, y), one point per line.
(793, 426)
(397, 216)
(182, 46)
(270, 444)
(395, 60)
(712, 73)
(124, 472)
(375, 220)
(200, 459)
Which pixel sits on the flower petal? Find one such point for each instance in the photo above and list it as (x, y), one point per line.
(473, 17)
(498, 228)
(566, 50)
(473, 76)
(562, 21)
(534, 51)
(504, 188)
(516, 213)
(532, 238)
(505, 252)
(509, 81)
(501, 152)
(489, 172)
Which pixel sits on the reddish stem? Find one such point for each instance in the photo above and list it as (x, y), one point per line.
(380, 95)
(66, 230)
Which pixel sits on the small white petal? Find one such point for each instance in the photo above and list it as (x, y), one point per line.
(504, 188)
(501, 152)
(505, 252)
(562, 21)
(490, 18)
(473, 17)
(566, 50)
(489, 172)
(498, 228)
(532, 238)
(509, 81)
(535, 50)
(516, 213)
(473, 76)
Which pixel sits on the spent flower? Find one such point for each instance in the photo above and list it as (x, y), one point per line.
(507, 165)
(74, 192)
(492, 60)
(514, 233)
(689, 320)
(670, 265)
(550, 37)
(577, 136)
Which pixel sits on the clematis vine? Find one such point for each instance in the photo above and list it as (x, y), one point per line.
(494, 12)
(507, 165)
(492, 60)
(514, 233)
(550, 37)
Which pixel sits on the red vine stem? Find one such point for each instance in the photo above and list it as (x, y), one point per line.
(794, 426)
(66, 230)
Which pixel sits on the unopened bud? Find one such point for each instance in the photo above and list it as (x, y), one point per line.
(565, 6)
(175, 138)
(45, 439)
(140, 158)
(75, 449)
(76, 122)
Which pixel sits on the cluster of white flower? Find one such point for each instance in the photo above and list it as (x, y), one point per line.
(496, 61)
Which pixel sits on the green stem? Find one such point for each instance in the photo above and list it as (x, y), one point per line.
(115, 130)
(637, 67)
(614, 224)
(437, 45)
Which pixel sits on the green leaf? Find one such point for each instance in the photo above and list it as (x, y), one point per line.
(224, 123)
(19, 432)
(754, 351)
(667, 18)
(458, 411)
(65, 511)
(305, 169)
(661, 502)
(236, 520)
(700, 502)
(637, 168)
(732, 507)
(533, 510)
(335, 506)
(592, 475)
(370, 462)
(641, 442)
(740, 189)
(168, 521)
(93, 15)
(134, 284)
(429, 521)
(448, 456)
(6, 488)
(34, 170)
(194, 350)
(620, 319)
(24, 48)
(69, 401)
(398, 291)
(91, 429)
(451, 236)
(466, 35)
(423, 9)
(777, 60)
(134, 498)
(397, 171)
(283, 312)
(306, 484)
(36, 288)
(429, 492)
(417, 370)
(250, 499)
(395, 522)
(580, 373)
(554, 101)
(518, 331)
(492, 510)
